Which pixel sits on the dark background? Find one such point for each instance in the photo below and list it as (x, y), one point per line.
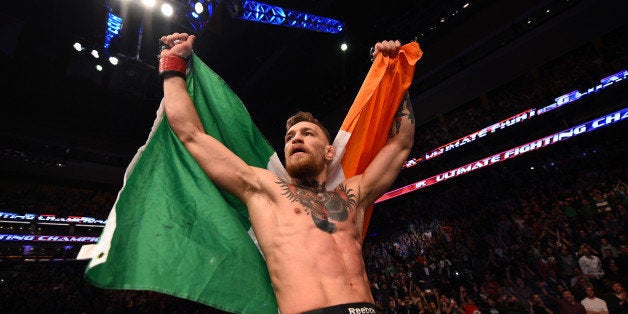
(62, 119)
(68, 132)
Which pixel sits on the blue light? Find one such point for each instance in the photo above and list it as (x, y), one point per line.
(114, 24)
(199, 20)
(265, 13)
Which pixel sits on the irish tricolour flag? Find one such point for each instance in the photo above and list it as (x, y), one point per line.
(171, 230)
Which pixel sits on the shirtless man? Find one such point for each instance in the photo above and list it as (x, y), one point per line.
(311, 238)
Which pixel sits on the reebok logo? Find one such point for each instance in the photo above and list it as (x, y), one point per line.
(361, 310)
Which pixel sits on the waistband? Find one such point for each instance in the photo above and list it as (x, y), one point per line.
(348, 308)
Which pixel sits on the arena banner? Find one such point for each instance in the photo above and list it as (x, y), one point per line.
(591, 125)
(518, 118)
(46, 238)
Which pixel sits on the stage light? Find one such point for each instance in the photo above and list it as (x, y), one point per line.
(149, 3)
(166, 9)
(344, 47)
(95, 53)
(98, 67)
(465, 5)
(199, 12)
(198, 7)
(78, 47)
(113, 60)
(270, 14)
(114, 24)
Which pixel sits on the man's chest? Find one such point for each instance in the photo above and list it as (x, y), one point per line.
(327, 210)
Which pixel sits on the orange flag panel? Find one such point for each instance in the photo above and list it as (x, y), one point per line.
(371, 115)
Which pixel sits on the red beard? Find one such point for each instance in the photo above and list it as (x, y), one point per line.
(304, 167)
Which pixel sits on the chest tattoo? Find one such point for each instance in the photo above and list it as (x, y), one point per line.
(323, 206)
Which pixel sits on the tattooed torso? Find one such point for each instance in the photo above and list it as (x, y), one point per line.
(325, 207)
(312, 242)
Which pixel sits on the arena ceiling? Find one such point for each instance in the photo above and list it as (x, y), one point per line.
(53, 97)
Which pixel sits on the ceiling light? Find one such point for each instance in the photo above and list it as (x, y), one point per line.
(167, 9)
(78, 46)
(198, 8)
(149, 3)
(98, 67)
(343, 47)
(95, 54)
(113, 60)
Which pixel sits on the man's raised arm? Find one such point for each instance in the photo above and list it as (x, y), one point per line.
(221, 165)
(387, 164)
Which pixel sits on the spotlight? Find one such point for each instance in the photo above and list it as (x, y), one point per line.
(198, 8)
(98, 67)
(149, 3)
(167, 9)
(113, 60)
(343, 47)
(78, 47)
(95, 54)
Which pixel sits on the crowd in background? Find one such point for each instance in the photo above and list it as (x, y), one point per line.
(555, 230)
(506, 240)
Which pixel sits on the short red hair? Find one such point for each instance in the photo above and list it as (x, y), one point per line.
(303, 116)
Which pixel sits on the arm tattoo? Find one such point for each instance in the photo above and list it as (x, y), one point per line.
(405, 109)
(323, 206)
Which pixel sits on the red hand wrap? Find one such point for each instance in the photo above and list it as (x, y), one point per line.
(172, 66)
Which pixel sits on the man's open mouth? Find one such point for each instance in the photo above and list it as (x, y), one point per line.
(297, 150)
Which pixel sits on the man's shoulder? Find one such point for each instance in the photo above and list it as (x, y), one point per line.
(352, 183)
(267, 174)
(353, 180)
(267, 182)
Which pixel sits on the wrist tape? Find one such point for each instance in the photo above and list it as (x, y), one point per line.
(172, 66)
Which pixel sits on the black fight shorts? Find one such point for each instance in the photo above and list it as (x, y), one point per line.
(349, 308)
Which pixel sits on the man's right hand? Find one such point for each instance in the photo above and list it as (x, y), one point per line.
(388, 48)
(179, 44)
